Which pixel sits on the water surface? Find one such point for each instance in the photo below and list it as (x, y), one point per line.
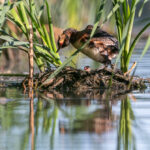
(54, 121)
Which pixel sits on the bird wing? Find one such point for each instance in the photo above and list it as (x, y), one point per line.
(108, 38)
(100, 37)
(103, 42)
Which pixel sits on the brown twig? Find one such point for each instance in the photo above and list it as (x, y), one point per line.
(128, 72)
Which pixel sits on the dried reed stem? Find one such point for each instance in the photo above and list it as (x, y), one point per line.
(31, 59)
(128, 72)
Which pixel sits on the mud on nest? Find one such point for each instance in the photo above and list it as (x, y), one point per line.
(75, 79)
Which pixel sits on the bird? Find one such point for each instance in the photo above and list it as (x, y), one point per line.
(102, 47)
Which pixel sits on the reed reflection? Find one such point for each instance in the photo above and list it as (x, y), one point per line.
(31, 117)
(51, 117)
(126, 139)
(46, 115)
(76, 114)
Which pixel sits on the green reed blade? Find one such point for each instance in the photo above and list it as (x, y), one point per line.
(14, 44)
(128, 11)
(14, 18)
(46, 36)
(112, 12)
(46, 57)
(128, 24)
(39, 61)
(51, 27)
(38, 58)
(32, 7)
(47, 49)
(123, 40)
(41, 58)
(23, 15)
(145, 48)
(40, 12)
(119, 24)
(43, 49)
(6, 37)
(124, 8)
(142, 55)
(135, 42)
(37, 25)
(4, 8)
(98, 16)
(142, 6)
(129, 32)
(118, 16)
(20, 18)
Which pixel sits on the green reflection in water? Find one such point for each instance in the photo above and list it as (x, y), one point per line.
(126, 139)
(46, 115)
(51, 118)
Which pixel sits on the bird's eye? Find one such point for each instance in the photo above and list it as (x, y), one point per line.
(67, 40)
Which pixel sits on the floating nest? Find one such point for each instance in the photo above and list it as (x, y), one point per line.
(71, 79)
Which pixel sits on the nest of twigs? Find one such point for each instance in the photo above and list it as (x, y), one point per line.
(75, 79)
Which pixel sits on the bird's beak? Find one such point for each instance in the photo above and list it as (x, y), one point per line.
(60, 42)
(59, 46)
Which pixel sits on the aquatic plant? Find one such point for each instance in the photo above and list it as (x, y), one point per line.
(124, 18)
(23, 14)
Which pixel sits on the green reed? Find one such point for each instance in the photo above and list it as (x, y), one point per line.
(125, 18)
(22, 14)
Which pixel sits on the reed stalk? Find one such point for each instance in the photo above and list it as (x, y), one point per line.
(125, 26)
(31, 60)
(20, 14)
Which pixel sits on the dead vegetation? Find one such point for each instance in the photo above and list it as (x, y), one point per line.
(80, 80)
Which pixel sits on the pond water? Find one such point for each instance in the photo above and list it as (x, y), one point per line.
(64, 121)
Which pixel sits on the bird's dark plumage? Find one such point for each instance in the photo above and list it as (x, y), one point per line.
(102, 47)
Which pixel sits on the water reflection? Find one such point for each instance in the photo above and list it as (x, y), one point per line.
(98, 120)
(126, 139)
(31, 96)
(85, 112)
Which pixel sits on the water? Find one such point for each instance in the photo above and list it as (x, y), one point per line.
(60, 121)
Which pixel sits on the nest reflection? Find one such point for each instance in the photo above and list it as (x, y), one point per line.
(89, 111)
